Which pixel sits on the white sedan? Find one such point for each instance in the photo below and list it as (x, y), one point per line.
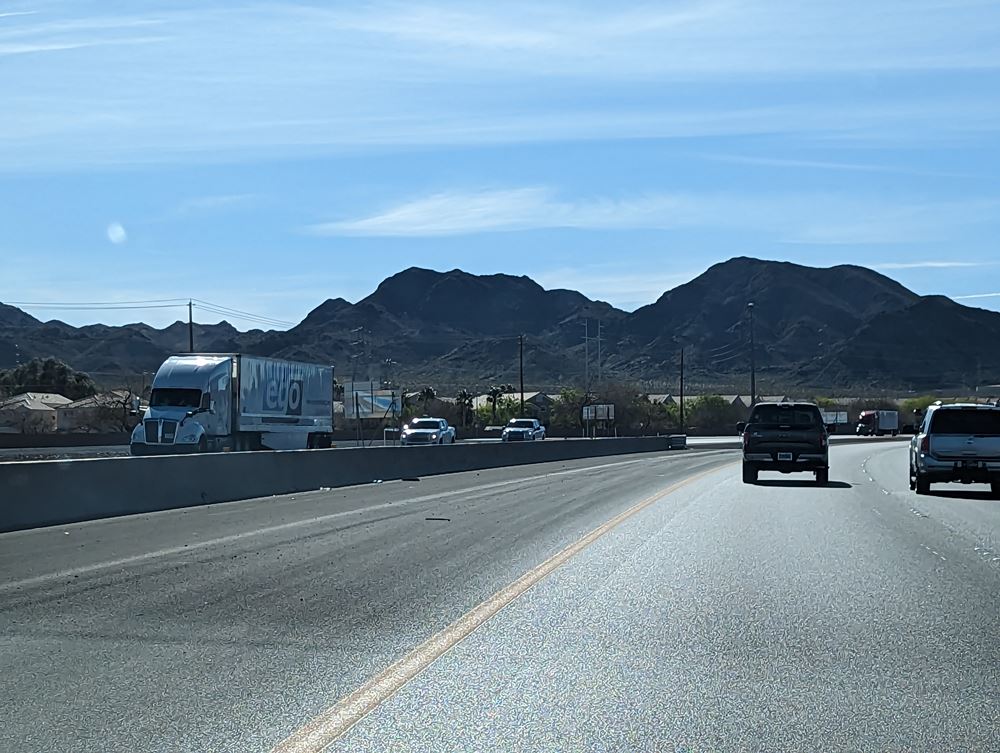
(427, 431)
(522, 430)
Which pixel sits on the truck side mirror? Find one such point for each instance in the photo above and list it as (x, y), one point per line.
(741, 427)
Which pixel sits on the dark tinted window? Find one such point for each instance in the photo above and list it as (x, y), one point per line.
(175, 398)
(966, 422)
(786, 415)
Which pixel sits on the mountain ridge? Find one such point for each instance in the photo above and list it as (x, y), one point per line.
(845, 326)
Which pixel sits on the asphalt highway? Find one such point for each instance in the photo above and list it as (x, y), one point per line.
(710, 615)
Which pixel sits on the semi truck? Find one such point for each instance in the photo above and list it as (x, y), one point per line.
(214, 402)
(876, 423)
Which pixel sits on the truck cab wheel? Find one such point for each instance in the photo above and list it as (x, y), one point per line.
(823, 476)
(923, 486)
(995, 488)
(749, 474)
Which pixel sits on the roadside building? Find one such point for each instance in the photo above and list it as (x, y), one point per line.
(31, 412)
(116, 410)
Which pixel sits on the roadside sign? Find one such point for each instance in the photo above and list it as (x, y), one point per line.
(362, 400)
(602, 412)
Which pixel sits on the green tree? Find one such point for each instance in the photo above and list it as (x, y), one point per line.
(465, 401)
(499, 411)
(495, 393)
(47, 375)
(712, 413)
(565, 415)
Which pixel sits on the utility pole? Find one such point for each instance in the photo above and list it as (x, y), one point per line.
(753, 360)
(586, 355)
(682, 390)
(521, 344)
(190, 326)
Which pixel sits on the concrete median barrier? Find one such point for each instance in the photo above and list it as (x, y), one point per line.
(34, 494)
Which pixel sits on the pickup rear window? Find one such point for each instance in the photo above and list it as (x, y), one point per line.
(792, 415)
(973, 421)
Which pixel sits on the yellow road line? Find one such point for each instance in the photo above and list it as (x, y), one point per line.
(326, 728)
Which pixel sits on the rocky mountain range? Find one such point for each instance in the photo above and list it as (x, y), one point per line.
(843, 328)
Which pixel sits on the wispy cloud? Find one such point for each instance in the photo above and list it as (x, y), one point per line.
(930, 264)
(975, 296)
(801, 219)
(216, 202)
(26, 48)
(737, 159)
(455, 213)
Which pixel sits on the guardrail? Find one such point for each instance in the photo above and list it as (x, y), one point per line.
(43, 493)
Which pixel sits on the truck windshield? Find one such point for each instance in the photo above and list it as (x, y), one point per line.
(425, 425)
(174, 397)
(973, 421)
(785, 415)
(522, 424)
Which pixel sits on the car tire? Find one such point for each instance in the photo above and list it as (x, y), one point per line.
(923, 486)
(995, 488)
(823, 476)
(913, 479)
(749, 474)
(202, 445)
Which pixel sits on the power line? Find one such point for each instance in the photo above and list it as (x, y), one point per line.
(96, 307)
(244, 313)
(153, 303)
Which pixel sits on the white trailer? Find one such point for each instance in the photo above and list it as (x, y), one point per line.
(207, 402)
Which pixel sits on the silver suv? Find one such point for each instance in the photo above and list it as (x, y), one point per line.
(958, 442)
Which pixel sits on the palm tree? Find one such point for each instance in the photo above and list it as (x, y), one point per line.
(426, 395)
(495, 393)
(465, 401)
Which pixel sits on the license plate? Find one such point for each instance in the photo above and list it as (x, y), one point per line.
(971, 463)
(784, 456)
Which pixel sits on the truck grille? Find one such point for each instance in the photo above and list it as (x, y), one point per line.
(169, 432)
(152, 427)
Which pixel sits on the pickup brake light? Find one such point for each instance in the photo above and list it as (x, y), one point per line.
(925, 443)
(746, 440)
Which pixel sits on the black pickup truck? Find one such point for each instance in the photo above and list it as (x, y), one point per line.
(785, 437)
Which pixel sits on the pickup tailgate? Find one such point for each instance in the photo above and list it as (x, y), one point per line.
(780, 439)
(965, 447)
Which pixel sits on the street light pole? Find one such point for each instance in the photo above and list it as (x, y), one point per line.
(753, 359)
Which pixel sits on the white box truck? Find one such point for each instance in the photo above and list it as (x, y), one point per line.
(876, 423)
(209, 402)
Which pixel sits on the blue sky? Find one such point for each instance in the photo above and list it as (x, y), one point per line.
(268, 156)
